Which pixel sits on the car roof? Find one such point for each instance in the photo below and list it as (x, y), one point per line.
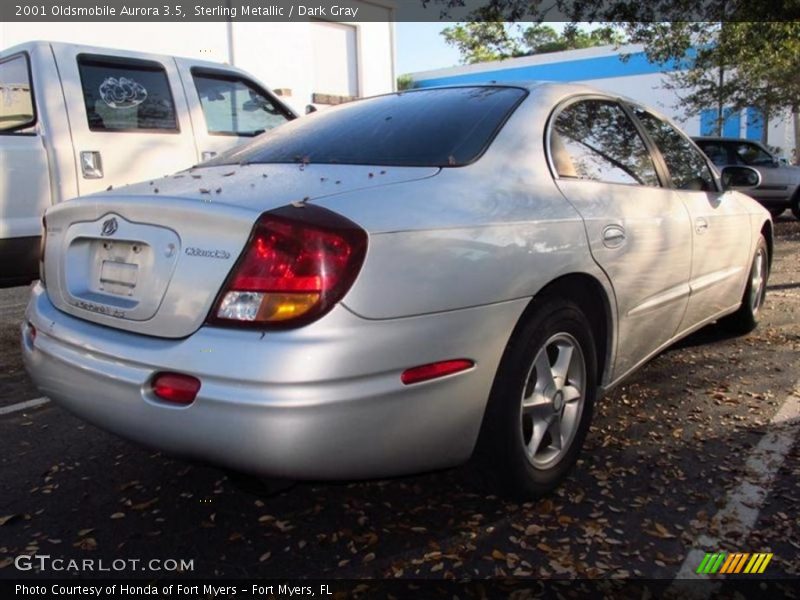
(550, 89)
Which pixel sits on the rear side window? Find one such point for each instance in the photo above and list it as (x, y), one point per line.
(16, 94)
(595, 139)
(234, 106)
(687, 167)
(443, 127)
(716, 152)
(126, 95)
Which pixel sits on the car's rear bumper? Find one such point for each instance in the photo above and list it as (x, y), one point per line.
(323, 401)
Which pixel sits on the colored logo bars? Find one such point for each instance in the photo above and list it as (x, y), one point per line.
(737, 562)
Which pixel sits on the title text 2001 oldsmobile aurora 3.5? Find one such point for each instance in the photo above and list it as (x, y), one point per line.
(395, 285)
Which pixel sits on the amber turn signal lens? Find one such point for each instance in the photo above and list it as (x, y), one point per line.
(282, 307)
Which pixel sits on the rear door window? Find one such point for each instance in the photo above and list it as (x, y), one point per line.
(126, 95)
(16, 94)
(596, 140)
(234, 106)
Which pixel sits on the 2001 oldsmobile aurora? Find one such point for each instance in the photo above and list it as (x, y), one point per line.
(396, 285)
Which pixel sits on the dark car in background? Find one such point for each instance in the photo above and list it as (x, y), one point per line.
(780, 183)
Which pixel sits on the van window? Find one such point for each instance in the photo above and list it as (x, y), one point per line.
(16, 96)
(126, 95)
(233, 106)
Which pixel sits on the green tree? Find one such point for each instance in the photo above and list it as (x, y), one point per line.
(405, 82)
(727, 59)
(482, 41)
(728, 64)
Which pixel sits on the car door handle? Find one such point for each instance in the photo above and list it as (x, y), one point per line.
(700, 225)
(613, 236)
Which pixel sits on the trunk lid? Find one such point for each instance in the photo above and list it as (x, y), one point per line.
(151, 258)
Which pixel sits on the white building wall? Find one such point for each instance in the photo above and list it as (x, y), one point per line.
(207, 41)
(278, 54)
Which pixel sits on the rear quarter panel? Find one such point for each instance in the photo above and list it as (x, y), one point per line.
(493, 231)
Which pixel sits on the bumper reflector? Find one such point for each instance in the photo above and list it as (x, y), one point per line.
(435, 370)
(176, 388)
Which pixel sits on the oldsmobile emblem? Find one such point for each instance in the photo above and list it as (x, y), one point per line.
(110, 227)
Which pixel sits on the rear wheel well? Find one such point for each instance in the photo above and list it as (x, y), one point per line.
(766, 231)
(585, 291)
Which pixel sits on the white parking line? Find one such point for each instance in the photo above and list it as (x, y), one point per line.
(23, 405)
(9, 307)
(744, 502)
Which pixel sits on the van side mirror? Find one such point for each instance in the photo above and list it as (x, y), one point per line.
(310, 108)
(740, 178)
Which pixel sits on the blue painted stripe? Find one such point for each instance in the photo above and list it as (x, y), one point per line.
(732, 126)
(602, 67)
(755, 124)
(708, 124)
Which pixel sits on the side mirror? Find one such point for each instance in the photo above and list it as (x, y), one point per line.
(310, 108)
(740, 178)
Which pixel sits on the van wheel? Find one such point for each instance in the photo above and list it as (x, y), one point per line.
(745, 319)
(795, 204)
(541, 402)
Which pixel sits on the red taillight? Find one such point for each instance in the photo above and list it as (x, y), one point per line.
(434, 370)
(176, 388)
(297, 264)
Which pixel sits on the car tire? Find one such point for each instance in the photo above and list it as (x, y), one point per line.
(541, 402)
(776, 212)
(746, 318)
(795, 204)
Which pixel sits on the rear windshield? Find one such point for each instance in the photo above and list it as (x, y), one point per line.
(442, 127)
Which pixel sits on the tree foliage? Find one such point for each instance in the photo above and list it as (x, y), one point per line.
(727, 58)
(482, 41)
(727, 64)
(405, 82)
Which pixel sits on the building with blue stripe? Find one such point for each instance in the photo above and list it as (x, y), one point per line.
(604, 67)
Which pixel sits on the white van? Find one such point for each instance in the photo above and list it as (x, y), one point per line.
(77, 119)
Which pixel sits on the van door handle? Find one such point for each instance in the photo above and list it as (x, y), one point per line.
(700, 225)
(613, 236)
(91, 164)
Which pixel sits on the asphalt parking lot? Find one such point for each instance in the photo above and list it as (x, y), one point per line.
(695, 453)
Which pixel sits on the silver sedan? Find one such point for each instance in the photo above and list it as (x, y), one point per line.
(397, 284)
